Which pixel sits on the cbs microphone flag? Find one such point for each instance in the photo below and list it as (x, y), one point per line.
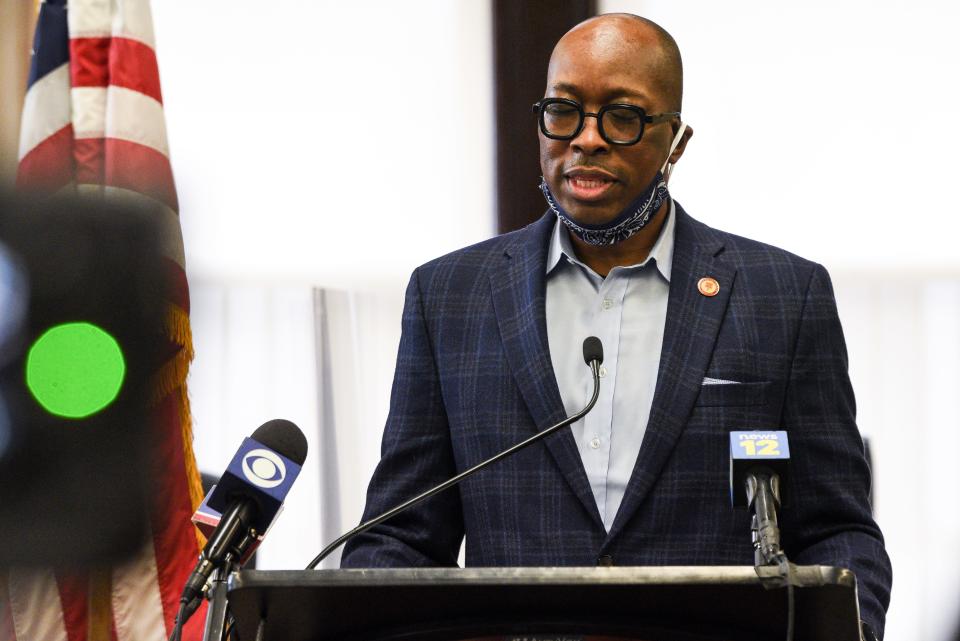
(93, 121)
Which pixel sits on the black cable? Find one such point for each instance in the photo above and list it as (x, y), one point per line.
(786, 571)
(178, 622)
(186, 610)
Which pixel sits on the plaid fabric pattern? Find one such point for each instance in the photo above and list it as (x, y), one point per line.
(474, 376)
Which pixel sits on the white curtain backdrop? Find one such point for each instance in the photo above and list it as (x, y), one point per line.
(903, 338)
(358, 336)
(321, 358)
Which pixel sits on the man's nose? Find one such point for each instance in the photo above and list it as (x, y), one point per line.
(589, 141)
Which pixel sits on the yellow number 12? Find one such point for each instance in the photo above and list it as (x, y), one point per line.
(765, 447)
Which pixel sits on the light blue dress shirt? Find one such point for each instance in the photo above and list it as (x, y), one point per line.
(626, 311)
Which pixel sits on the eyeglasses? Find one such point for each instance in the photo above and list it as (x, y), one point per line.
(619, 124)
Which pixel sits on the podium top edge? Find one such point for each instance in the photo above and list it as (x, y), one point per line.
(805, 576)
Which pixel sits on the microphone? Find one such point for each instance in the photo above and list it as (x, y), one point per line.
(758, 471)
(249, 495)
(592, 350)
(592, 356)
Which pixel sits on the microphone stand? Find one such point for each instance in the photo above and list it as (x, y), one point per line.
(763, 495)
(363, 527)
(215, 625)
(216, 621)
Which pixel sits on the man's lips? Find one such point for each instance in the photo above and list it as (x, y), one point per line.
(588, 184)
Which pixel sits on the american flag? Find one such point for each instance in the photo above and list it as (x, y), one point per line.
(93, 121)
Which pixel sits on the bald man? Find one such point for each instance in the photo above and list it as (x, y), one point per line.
(704, 332)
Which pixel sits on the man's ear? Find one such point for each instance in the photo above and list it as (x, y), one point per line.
(687, 134)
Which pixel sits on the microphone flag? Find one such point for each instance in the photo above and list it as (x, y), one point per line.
(207, 519)
(257, 472)
(752, 450)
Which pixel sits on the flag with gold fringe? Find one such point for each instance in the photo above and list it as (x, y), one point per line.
(93, 122)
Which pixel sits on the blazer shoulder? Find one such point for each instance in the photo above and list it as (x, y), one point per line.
(763, 270)
(477, 254)
(746, 253)
(476, 261)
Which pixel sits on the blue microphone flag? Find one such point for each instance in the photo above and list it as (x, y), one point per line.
(756, 450)
(259, 473)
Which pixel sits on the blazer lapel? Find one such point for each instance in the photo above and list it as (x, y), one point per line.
(693, 320)
(519, 299)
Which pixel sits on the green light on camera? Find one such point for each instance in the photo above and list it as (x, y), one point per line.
(75, 370)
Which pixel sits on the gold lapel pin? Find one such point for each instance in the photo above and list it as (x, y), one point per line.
(708, 286)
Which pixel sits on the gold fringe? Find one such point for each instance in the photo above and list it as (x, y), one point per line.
(176, 324)
(99, 610)
(172, 379)
(190, 462)
(173, 373)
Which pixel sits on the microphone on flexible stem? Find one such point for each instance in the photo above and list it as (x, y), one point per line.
(592, 355)
(249, 494)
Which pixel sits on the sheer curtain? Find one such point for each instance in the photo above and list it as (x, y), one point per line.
(322, 358)
(903, 338)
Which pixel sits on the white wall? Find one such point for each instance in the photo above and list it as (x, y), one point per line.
(327, 142)
(827, 128)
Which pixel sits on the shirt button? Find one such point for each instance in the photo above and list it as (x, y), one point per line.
(603, 371)
(595, 442)
(607, 303)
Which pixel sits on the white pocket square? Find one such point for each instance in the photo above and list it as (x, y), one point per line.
(718, 381)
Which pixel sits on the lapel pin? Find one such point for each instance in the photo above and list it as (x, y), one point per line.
(708, 286)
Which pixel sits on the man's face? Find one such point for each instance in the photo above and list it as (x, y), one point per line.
(596, 65)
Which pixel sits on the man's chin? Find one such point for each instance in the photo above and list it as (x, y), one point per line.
(589, 214)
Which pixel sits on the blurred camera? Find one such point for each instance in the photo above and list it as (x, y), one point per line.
(81, 292)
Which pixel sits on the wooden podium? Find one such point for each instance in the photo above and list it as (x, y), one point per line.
(697, 603)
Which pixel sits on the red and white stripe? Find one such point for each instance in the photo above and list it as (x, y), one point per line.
(96, 124)
(30, 596)
(117, 106)
(46, 134)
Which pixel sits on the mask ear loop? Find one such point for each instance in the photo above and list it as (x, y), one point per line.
(667, 167)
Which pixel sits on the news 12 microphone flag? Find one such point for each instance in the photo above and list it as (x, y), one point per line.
(93, 122)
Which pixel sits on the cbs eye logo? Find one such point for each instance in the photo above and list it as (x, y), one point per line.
(264, 468)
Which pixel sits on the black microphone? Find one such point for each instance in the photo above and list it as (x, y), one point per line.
(592, 350)
(249, 494)
(758, 470)
(592, 355)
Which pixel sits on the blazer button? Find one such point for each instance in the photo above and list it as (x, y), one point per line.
(605, 561)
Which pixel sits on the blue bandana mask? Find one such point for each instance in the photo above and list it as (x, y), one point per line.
(633, 218)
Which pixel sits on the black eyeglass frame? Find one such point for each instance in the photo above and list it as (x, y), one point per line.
(540, 107)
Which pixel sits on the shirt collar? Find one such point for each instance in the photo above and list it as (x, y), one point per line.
(661, 252)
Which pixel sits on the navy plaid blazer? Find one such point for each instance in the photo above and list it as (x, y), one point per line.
(474, 376)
